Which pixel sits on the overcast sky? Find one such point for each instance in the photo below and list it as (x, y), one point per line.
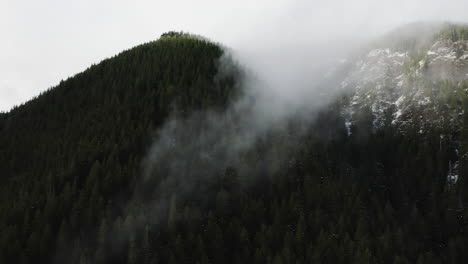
(43, 42)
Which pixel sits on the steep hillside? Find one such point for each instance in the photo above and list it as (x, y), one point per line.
(432, 75)
(68, 153)
(146, 158)
(419, 83)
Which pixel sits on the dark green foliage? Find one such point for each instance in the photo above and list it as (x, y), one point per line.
(73, 154)
(70, 162)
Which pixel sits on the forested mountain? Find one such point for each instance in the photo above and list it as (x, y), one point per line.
(143, 158)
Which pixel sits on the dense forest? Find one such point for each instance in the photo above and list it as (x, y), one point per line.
(73, 186)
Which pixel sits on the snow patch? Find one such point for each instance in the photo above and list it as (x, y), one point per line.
(348, 127)
(424, 101)
(400, 100)
(452, 176)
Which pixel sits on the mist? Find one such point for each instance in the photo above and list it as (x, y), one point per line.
(281, 94)
(43, 43)
(283, 88)
(294, 54)
(294, 61)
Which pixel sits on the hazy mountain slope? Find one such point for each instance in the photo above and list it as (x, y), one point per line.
(358, 183)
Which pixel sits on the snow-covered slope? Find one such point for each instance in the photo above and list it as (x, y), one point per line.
(415, 88)
(396, 84)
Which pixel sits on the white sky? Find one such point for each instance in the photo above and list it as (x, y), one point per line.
(43, 42)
